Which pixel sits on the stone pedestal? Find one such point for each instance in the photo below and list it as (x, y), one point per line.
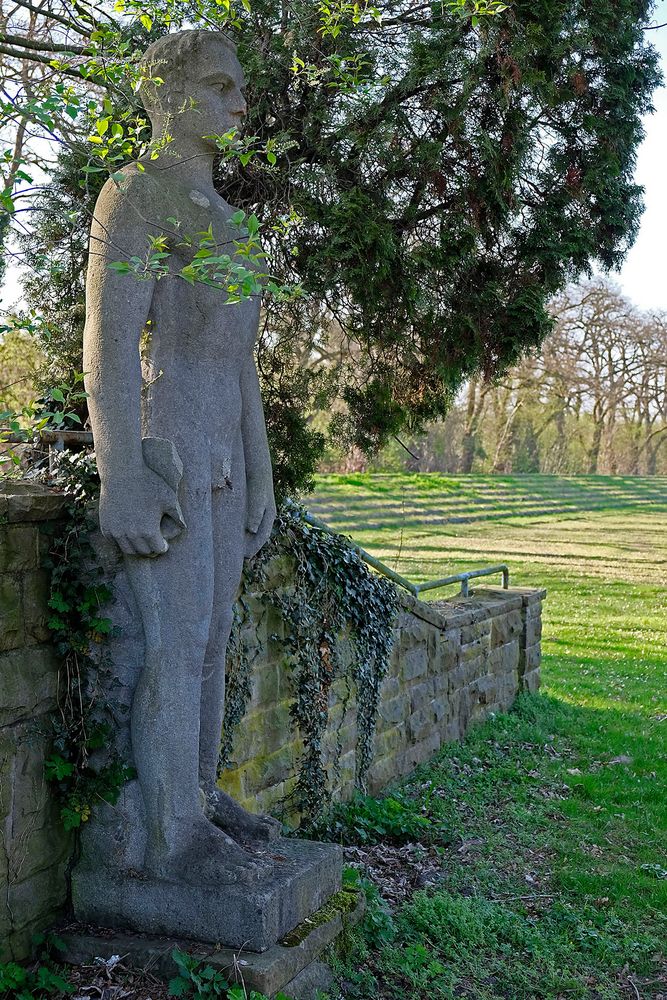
(292, 966)
(295, 878)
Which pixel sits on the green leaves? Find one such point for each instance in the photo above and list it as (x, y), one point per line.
(196, 979)
(394, 819)
(54, 411)
(82, 763)
(338, 619)
(241, 273)
(56, 768)
(476, 10)
(335, 15)
(247, 149)
(120, 266)
(20, 983)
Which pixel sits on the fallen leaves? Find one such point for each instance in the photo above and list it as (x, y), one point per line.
(398, 872)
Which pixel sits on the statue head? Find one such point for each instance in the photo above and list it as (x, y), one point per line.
(201, 92)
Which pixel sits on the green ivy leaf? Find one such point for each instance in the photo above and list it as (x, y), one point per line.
(58, 602)
(56, 768)
(71, 819)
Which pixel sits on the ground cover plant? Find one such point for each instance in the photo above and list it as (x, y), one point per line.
(551, 879)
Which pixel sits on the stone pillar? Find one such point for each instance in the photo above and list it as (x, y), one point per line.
(530, 653)
(34, 848)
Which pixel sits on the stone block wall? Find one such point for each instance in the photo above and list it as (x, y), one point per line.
(34, 848)
(454, 662)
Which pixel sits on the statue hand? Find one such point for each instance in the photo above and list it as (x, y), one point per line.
(261, 513)
(140, 513)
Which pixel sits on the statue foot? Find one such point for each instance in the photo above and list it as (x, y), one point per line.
(228, 815)
(206, 855)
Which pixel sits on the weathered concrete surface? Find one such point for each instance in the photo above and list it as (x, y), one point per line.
(295, 877)
(34, 848)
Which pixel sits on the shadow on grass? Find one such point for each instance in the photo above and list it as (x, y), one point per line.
(553, 886)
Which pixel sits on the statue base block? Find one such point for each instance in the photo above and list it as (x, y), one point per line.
(291, 966)
(296, 878)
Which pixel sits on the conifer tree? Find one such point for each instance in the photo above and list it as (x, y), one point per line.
(430, 181)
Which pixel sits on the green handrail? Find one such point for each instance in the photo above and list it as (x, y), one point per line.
(418, 588)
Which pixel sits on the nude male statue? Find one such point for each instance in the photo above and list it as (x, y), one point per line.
(182, 454)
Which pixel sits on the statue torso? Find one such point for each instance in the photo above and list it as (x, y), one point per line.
(195, 346)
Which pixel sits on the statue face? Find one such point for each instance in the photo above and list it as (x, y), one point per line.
(208, 98)
(218, 91)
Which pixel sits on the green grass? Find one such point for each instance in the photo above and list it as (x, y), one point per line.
(561, 890)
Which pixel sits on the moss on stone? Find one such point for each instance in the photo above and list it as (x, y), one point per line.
(338, 905)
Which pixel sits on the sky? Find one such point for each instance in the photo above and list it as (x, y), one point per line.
(643, 277)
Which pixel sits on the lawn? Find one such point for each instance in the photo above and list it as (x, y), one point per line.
(553, 875)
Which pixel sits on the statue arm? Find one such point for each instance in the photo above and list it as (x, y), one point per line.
(117, 307)
(136, 504)
(261, 508)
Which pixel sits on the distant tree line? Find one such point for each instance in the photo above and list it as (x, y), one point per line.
(592, 401)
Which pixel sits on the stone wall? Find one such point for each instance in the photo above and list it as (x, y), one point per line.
(34, 848)
(454, 663)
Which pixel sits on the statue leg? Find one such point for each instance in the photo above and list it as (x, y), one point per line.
(174, 593)
(228, 511)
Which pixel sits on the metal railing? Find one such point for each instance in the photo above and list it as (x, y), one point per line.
(419, 588)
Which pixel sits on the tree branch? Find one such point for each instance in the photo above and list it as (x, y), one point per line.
(34, 57)
(51, 16)
(27, 43)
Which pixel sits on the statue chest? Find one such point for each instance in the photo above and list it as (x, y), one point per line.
(192, 319)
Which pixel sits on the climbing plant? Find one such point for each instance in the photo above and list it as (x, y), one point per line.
(78, 592)
(338, 621)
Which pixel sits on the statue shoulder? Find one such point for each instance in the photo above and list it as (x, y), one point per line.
(129, 197)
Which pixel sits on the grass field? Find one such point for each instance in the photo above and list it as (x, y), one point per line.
(555, 881)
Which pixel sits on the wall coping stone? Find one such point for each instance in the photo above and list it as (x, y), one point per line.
(21, 500)
(485, 603)
(529, 595)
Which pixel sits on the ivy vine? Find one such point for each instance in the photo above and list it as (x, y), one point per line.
(79, 726)
(334, 605)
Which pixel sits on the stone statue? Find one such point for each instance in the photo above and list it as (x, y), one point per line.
(186, 494)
